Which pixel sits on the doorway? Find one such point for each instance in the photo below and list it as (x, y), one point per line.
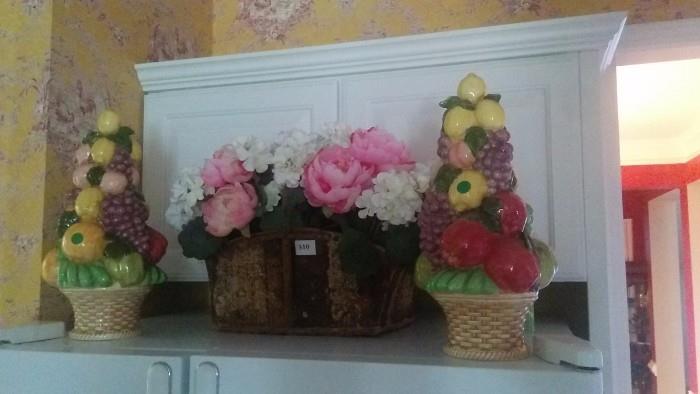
(658, 79)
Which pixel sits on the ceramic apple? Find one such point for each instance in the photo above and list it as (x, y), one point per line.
(466, 243)
(510, 210)
(512, 266)
(547, 262)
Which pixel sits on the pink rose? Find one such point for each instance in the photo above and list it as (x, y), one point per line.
(224, 168)
(231, 207)
(380, 149)
(335, 178)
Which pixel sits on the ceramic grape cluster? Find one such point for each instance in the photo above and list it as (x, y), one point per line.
(104, 240)
(475, 230)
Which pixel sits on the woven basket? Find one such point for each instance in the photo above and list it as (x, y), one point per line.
(105, 314)
(262, 285)
(486, 327)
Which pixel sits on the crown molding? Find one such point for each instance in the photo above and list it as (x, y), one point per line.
(591, 32)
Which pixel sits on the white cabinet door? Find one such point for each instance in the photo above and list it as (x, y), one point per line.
(30, 372)
(182, 128)
(542, 104)
(228, 375)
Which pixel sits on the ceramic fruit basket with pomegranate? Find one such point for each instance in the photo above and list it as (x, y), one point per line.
(479, 258)
(315, 233)
(106, 254)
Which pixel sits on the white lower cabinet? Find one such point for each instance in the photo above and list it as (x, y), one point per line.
(55, 372)
(245, 375)
(184, 354)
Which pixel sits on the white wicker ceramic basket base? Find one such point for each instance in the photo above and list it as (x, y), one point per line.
(106, 314)
(486, 327)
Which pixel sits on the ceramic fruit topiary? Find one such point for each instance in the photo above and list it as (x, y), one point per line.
(479, 259)
(106, 254)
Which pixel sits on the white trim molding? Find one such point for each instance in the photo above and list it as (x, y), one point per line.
(590, 32)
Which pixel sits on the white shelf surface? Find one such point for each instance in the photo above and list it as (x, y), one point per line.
(415, 346)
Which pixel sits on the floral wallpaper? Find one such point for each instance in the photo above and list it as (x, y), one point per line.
(253, 25)
(24, 41)
(68, 60)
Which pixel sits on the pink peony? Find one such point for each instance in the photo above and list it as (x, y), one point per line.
(380, 149)
(335, 178)
(224, 168)
(231, 207)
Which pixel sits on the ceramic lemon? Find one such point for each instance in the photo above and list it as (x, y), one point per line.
(467, 190)
(88, 204)
(108, 122)
(471, 88)
(490, 115)
(102, 151)
(457, 121)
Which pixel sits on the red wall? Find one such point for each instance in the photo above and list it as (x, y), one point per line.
(641, 184)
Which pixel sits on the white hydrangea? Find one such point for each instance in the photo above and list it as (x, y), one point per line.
(335, 134)
(255, 154)
(422, 174)
(185, 193)
(295, 148)
(396, 196)
(272, 193)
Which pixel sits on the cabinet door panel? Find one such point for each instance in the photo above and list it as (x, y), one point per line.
(183, 128)
(28, 372)
(541, 100)
(272, 376)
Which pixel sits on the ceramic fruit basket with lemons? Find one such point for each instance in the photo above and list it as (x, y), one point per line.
(106, 254)
(479, 258)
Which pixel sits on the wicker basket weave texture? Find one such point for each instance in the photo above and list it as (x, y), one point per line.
(259, 285)
(105, 314)
(489, 328)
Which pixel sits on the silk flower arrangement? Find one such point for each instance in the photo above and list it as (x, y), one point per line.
(363, 183)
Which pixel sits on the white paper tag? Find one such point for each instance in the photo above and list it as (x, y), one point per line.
(305, 247)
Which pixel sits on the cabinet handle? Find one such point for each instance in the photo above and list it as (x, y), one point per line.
(159, 378)
(207, 378)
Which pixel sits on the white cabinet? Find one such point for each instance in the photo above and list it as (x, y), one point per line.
(541, 96)
(183, 354)
(245, 375)
(24, 371)
(559, 94)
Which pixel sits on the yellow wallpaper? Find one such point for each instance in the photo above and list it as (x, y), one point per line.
(254, 25)
(59, 76)
(24, 43)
